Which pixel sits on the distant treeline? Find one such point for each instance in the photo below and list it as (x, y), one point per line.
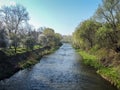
(66, 39)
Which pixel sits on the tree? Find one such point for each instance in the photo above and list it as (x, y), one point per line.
(58, 38)
(13, 17)
(50, 34)
(84, 35)
(76, 39)
(42, 40)
(109, 13)
(104, 40)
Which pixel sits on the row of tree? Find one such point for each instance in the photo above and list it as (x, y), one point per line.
(15, 31)
(102, 30)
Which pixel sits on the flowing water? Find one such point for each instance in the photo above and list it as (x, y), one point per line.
(62, 70)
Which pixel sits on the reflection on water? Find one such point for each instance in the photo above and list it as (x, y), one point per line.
(62, 70)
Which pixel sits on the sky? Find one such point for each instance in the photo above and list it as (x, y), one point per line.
(61, 15)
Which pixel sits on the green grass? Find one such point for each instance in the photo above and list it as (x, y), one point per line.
(35, 58)
(11, 51)
(37, 47)
(111, 74)
(88, 59)
(21, 50)
(27, 63)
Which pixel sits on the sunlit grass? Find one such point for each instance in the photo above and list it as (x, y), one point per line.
(35, 58)
(11, 51)
(27, 63)
(88, 59)
(37, 47)
(111, 74)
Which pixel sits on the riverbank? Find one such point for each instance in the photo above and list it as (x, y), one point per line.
(110, 73)
(11, 64)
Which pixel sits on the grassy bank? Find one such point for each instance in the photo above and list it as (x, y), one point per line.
(14, 63)
(35, 57)
(111, 74)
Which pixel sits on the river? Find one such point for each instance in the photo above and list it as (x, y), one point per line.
(62, 70)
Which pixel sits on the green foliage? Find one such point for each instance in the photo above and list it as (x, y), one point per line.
(10, 51)
(91, 60)
(109, 14)
(27, 63)
(58, 38)
(85, 34)
(53, 39)
(101, 38)
(37, 47)
(103, 30)
(105, 37)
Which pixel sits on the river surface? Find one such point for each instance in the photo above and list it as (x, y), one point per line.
(62, 70)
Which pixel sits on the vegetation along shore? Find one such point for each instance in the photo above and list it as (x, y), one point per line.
(22, 45)
(98, 41)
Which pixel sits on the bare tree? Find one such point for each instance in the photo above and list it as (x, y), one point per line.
(13, 17)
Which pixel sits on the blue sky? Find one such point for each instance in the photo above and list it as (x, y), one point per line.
(61, 15)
